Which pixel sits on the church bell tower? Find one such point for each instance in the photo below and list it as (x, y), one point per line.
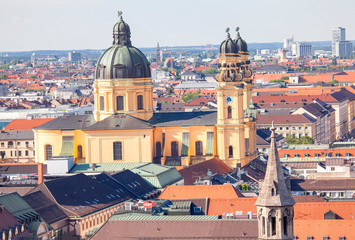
(275, 202)
(236, 140)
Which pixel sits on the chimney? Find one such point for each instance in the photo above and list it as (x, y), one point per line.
(40, 173)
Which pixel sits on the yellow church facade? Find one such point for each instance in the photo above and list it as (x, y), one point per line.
(125, 128)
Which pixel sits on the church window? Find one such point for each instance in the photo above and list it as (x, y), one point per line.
(140, 102)
(273, 226)
(199, 148)
(285, 225)
(80, 151)
(158, 149)
(101, 73)
(272, 192)
(102, 103)
(174, 149)
(48, 152)
(119, 103)
(120, 72)
(263, 227)
(230, 150)
(138, 72)
(117, 151)
(229, 112)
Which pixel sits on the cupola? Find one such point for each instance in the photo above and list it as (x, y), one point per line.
(242, 46)
(228, 46)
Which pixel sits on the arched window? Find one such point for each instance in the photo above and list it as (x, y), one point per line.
(102, 103)
(174, 149)
(80, 151)
(101, 74)
(140, 102)
(230, 151)
(138, 72)
(119, 103)
(117, 151)
(286, 218)
(158, 149)
(263, 227)
(199, 148)
(229, 109)
(272, 220)
(48, 152)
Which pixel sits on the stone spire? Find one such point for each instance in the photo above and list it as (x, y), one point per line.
(275, 202)
(274, 191)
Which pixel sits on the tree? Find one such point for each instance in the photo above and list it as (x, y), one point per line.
(306, 140)
(244, 187)
(3, 76)
(334, 61)
(170, 92)
(190, 96)
(33, 77)
(14, 61)
(291, 139)
(210, 71)
(29, 65)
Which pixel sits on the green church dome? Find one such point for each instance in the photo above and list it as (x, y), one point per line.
(122, 60)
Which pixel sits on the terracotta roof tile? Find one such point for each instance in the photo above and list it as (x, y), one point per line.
(316, 210)
(26, 124)
(325, 228)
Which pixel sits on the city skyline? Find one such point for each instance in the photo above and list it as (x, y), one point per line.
(65, 25)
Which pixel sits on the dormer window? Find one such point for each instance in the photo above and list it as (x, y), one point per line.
(119, 71)
(101, 72)
(138, 72)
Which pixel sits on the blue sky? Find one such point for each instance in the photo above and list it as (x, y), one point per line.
(87, 24)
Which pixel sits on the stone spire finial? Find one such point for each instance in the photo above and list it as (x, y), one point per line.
(274, 191)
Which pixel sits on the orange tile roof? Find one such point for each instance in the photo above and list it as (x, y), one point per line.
(324, 228)
(321, 152)
(25, 124)
(200, 191)
(316, 210)
(220, 206)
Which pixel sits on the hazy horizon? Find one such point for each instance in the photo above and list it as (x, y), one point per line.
(32, 25)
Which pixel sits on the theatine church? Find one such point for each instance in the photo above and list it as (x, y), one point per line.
(125, 128)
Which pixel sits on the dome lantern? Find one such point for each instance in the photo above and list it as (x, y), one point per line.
(121, 32)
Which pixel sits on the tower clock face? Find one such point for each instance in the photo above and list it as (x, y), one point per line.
(229, 99)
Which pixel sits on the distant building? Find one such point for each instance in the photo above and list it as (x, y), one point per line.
(338, 34)
(304, 49)
(74, 56)
(3, 90)
(288, 43)
(343, 49)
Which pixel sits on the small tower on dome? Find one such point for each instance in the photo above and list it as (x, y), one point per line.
(121, 32)
(275, 201)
